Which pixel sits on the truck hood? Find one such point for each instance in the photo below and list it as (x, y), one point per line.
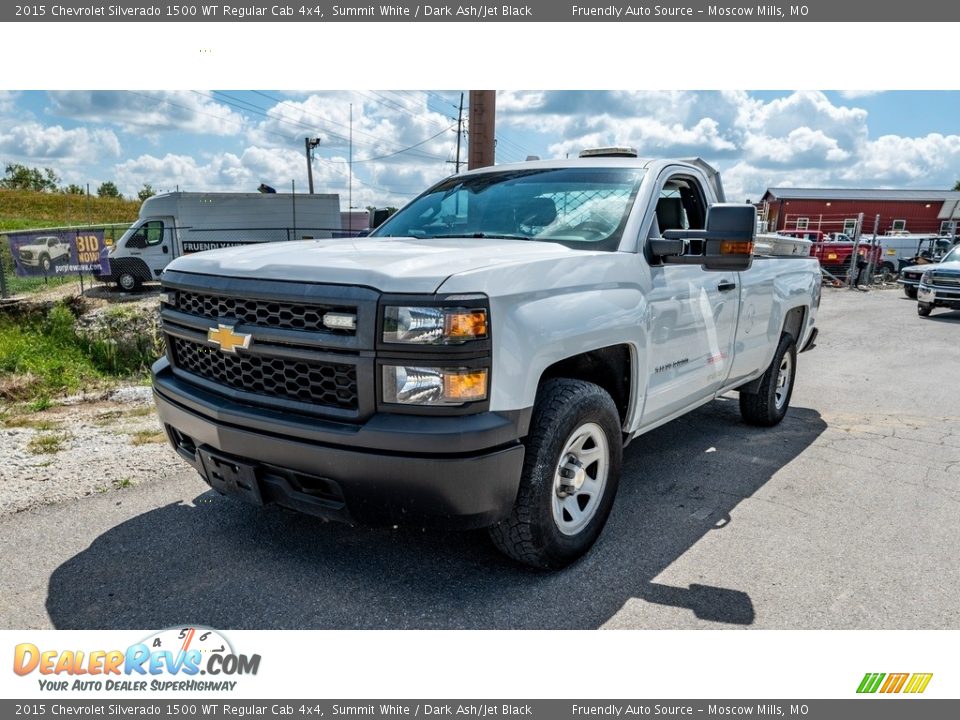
(921, 269)
(401, 265)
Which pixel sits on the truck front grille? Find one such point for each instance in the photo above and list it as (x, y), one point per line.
(946, 280)
(265, 313)
(324, 384)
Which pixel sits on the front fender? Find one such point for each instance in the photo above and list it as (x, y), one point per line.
(540, 331)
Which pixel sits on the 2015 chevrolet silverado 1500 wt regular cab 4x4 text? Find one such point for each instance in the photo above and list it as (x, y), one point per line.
(482, 358)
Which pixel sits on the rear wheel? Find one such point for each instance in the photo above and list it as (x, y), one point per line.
(924, 309)
(570, 475)
(769, 404)
(910, 291)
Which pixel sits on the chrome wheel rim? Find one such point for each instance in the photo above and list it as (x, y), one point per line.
(580, 478)
(783, 381)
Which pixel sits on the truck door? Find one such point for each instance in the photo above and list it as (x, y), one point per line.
(692, 312)
(152, 243)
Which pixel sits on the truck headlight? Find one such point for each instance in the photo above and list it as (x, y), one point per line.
(426, 325)
(438, 386)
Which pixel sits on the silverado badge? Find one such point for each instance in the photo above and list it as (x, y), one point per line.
(227, 339)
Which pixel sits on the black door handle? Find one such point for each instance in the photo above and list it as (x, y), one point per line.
(725, 285)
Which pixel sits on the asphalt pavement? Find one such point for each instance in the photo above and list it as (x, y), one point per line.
(844, 516)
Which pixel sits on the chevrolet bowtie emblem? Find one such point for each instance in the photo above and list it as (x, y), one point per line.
(227, 339)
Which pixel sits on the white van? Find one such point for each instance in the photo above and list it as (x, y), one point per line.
(180, 223)
(896, 250)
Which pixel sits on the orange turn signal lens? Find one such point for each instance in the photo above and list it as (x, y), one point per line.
(468, 386)
(732, 247)
(465, 324)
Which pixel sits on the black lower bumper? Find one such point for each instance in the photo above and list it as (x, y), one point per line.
(460, 471)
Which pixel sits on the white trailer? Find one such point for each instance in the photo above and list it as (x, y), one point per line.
(181, 223)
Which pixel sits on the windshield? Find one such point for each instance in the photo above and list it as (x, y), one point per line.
(577, 207)
(953, 255)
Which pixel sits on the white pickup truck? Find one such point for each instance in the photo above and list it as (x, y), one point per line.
(482, 358)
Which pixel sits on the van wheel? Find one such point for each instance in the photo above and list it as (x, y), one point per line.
(911, 292)
(128, 282)
(570, 475)
(924, 309)
(769, 404)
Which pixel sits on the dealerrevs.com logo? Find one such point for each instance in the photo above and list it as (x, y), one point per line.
(892, 683)
(172, 659)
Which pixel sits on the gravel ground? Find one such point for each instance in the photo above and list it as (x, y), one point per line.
(82, 446)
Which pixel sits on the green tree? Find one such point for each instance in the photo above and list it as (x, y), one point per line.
(146, 191)
(956, 186)
(74, 189)
(108, 189)
(20, 177)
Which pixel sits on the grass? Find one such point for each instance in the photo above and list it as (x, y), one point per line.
(123, 483)
(25, 421)
(47, 443)
(42, 356)
(147, 437)
(24, 209)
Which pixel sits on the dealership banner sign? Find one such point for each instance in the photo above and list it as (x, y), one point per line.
(45, 253)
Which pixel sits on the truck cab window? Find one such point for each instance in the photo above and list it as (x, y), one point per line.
(680, 206)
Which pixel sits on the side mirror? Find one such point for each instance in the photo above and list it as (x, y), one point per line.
(731, 229)
(725, 244)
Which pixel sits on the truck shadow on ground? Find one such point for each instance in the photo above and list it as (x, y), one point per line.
(223, 564)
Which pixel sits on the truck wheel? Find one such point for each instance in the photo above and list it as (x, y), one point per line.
(128, 281)
(924, 309)
(769, 404)
(911, 292)
(570, 475)
(887, 271)
(45, 263)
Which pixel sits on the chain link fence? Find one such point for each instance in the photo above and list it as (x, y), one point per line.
(33, 261)
(27, 268)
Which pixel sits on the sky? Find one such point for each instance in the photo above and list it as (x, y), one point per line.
(403, 141)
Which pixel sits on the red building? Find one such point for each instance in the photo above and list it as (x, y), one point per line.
(836, 210)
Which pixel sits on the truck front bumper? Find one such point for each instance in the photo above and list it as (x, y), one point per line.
(456, 471)
(939, 296)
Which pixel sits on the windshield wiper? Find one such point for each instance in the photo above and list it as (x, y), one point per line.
(493, 236)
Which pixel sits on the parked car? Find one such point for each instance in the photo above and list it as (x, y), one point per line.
(940, 285)
(482, 357)
(45, 252)
(911, 275)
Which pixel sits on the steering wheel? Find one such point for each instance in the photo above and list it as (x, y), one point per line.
(594, 229)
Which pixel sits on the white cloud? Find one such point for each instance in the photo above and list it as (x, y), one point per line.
(33, 142)
(150, 111)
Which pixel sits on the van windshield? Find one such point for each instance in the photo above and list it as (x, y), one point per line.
(577, 207)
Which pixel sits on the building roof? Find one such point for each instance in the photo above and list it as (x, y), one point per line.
(794, 193)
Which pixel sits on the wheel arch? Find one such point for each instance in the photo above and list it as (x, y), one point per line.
(611, 368)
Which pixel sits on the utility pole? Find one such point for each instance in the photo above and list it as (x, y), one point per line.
(309, 144)
(459, 134)
(483, 112)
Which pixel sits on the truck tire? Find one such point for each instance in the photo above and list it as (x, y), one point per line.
(924, 309)
(45, 263)
(910, 291)
(570, 475)
(769, 404)
(128, 282)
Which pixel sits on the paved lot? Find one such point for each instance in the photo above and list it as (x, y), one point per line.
(845, 516)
